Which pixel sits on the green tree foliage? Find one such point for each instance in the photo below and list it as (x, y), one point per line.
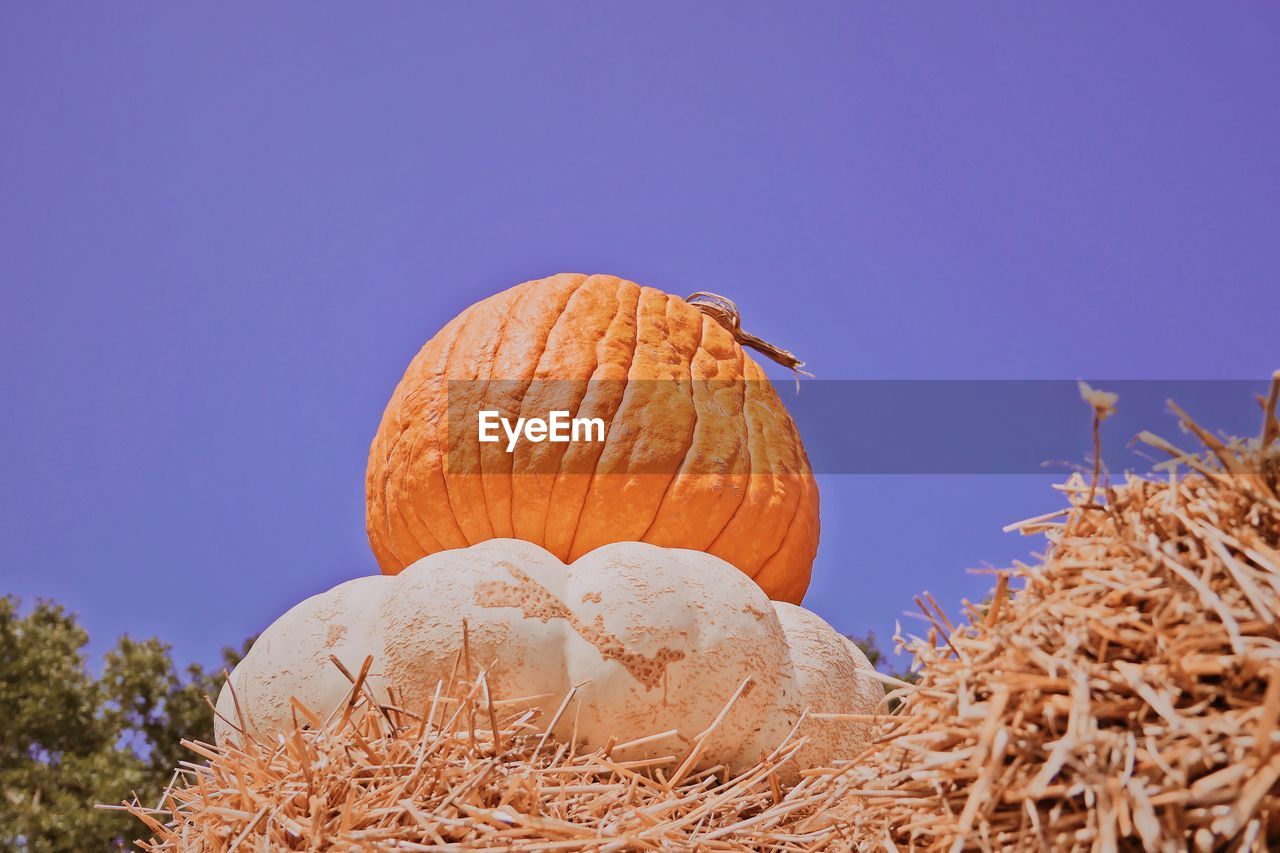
(877, 658)
(869, 647)
(70, 739)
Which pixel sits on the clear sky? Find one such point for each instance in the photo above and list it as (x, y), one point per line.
(225, 229)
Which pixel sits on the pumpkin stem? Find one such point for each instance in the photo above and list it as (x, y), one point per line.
(725, 312)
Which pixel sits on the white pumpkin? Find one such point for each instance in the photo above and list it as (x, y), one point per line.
(656, 638)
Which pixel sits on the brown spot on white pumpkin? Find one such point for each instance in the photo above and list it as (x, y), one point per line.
(593, 597)
(537, 602)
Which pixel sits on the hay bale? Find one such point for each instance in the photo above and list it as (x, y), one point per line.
(476, 771)
(1126, 695)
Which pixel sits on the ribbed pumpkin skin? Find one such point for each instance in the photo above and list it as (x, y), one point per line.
(739, 484)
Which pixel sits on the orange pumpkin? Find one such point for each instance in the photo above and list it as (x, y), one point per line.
(699, 451)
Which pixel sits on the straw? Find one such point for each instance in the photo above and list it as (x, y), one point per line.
(374, 776)
(1126, 695)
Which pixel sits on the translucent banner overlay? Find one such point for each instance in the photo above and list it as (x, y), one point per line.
(914, 427)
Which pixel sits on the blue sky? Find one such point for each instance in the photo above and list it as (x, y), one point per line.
(224, 230)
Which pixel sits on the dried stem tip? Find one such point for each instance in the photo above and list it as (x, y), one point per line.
(725, 312)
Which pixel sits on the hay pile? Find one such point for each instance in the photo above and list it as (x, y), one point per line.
(479, 772)
(1127, 695)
